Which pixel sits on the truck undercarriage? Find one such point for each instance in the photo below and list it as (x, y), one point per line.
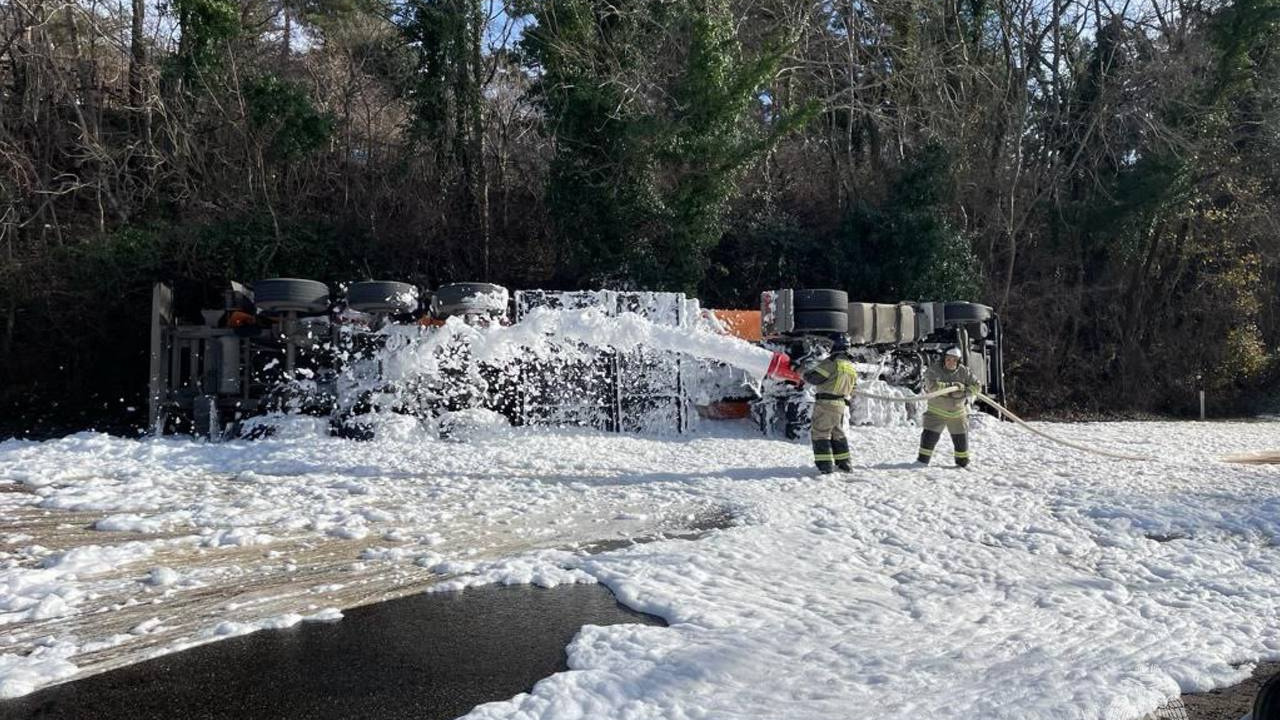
(288, 347)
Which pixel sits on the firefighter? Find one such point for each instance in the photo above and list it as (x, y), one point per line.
(949, 411)
(834, 379)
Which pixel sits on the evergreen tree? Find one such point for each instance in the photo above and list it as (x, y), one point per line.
(656, 110)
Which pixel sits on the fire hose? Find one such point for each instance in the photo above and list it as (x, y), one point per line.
(780, 367)
(1083, 448)
(1017, 420)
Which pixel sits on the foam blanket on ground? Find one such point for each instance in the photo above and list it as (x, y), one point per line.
(1040, 583)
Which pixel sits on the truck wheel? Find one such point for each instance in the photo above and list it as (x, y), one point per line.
(278, 295)
(811, 300)
(381, 296)
(1266, 706)
(964, 312)
(467, 298)
(821, 321)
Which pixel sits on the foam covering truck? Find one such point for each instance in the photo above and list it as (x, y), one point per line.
(347, 356)
(290, 347)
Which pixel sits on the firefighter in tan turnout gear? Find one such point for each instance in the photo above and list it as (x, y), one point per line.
(834, 379)
(950, 411)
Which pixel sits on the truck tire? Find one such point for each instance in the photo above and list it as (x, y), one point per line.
(1266, 706)
(382, 296)
(811, 300)
(279, 295)
(821, 321)
(965, 312)
(469, 298)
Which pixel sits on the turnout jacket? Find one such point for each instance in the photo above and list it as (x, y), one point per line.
(951, 405)
(834, 378)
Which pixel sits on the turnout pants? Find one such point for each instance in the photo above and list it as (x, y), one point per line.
(830, 446)
(934, 424)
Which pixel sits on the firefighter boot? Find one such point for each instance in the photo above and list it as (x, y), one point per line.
(928, 439)
(822, 456)
(961, 443)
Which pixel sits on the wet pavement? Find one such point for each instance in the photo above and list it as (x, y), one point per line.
(1230, 703)
(431, 656)
(424, 657)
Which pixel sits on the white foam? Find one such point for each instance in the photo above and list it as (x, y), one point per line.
(560, 335)
(23, 674)
(1042, 583)
(884, 413)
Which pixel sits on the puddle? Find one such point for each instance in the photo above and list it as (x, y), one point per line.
(425, 657)
(1164, 538)
(698, 528)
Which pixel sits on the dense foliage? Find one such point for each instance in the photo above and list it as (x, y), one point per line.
(1107, 177)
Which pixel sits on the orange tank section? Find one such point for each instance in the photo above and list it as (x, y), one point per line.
(726, 410)
(744, 324)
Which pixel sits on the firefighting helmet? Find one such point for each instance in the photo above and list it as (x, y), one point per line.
(954, 352)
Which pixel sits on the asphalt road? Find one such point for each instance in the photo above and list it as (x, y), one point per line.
(431, 656)
(425, 657)
(1229, 703)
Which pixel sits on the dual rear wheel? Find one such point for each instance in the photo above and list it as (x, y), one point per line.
(821, 311)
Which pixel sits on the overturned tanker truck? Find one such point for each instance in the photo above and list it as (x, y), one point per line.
(376, 351)
(286, 348)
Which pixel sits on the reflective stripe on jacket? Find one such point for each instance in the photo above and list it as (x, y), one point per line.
(949, 406)
(835, 379)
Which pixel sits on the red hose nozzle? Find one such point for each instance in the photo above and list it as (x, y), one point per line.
(780, 367)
